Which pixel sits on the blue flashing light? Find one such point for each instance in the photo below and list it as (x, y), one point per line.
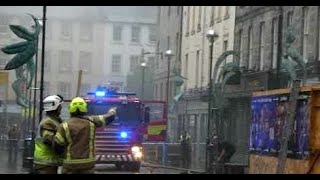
(123, 134)
(100, 93)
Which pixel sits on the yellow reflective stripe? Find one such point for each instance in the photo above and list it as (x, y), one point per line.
(91, 140)
(60, 138)
(66, 129)
(47, 161)
(102, 119)
(79, 161)
(47, 133)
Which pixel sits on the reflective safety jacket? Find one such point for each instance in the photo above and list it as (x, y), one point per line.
(44, 153)
(77, 136)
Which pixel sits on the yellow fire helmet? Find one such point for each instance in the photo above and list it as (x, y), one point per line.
(78, 103)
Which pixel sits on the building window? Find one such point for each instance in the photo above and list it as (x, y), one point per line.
(3, 59)
(202, 71)
(197, 67)
(193, 18)
(134, 61)
(199, 18)
(177, 46)
(186, 70)
(152, 34)
(212, 15)
(117, 32)
(241, 63)
(274, 37)
(47, 61)
(227, 12)
(135, 34)
(158, 49)
(305, 33)
(116, 64)
(64, 89)
(188, 21)
(250, 47)
(169, 10)
(225, 45)
(66, 30)
(85, 88)
(4, 24)
(156, 91)
(65, 61)
(85, 61)
(86, 31)
(219, 13)
(262, 44)
(161, 90)
(289, 18)
(48, 29)
(172, 89)
(46, 88)
(151, 61)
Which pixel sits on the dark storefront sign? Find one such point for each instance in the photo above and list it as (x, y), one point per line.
(255, 81)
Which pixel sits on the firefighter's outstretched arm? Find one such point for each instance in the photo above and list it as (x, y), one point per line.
(103, 120)
(60, 141)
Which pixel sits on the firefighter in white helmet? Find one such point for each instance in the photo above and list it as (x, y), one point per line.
(46, 161)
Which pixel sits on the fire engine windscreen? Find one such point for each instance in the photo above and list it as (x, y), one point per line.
(127, 114)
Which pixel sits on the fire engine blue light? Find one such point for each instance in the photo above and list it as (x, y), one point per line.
(123, 134)
(100, 93)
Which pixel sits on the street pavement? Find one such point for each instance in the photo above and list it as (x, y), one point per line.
(13, 167)
(111, 169)
(7, 167)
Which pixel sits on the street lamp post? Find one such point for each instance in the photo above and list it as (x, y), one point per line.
(143, 67)
(42, 60)
(211, 34)
(168, 54)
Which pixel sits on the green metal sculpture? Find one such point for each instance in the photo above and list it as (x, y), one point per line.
(179, 80)
(292, 61)
(23, 62)
(228, 71)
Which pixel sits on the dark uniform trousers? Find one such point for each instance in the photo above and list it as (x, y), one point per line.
(46, 169)
(77, 171)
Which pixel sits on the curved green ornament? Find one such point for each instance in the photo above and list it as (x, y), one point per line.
(21, 58)
(25, 52)
(31, 70)
(15, 48)
(220, 60)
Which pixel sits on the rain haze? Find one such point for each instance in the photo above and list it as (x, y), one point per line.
(193, 89)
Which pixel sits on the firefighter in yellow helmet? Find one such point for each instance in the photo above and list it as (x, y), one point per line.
(46, 161)
(75, 138)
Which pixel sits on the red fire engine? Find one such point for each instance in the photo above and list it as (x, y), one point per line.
(137, 120)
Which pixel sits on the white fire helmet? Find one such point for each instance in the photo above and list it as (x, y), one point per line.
(51, 103)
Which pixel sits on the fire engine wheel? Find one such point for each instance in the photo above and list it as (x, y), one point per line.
(133, 166)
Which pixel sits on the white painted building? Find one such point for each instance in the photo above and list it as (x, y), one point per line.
(125, 38)
(197, 21)
(192, 109)
(102, 41)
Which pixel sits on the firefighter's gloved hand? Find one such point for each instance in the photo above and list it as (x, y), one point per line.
(112, 111)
